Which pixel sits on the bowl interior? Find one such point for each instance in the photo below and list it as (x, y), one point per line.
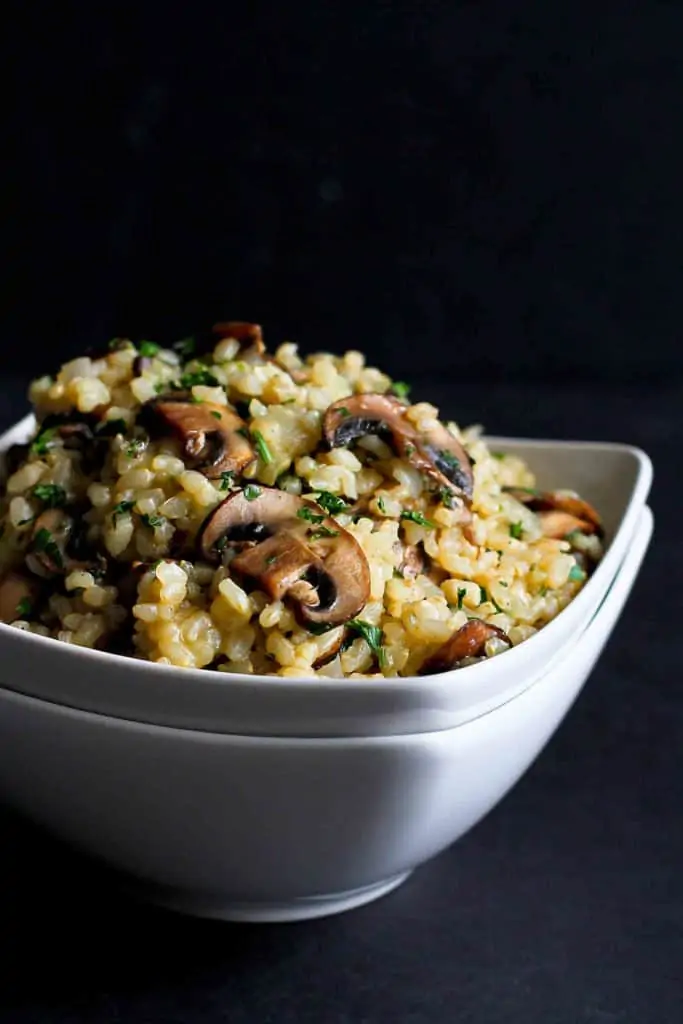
(615, 478)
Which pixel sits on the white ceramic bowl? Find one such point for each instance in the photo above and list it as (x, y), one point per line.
(274, 828)
(262, 799)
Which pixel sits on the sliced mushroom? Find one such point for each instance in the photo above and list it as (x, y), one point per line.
(556, 524)
(467, 642)
(47, 554)
(250, 336)
(330, 645)
(212, 436)
(308, 559)
(18, 596)
(435, 452)
(414, 561)
(554, 501)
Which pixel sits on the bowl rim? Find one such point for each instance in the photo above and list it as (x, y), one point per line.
(409, 688)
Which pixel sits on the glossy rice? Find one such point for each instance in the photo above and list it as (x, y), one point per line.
(138, 584)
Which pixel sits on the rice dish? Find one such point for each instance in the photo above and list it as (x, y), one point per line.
(208, 505)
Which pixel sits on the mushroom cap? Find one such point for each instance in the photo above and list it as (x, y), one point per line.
(435, 452)
(212, 436)
(586, 517)
(467, 642)
(308, 559)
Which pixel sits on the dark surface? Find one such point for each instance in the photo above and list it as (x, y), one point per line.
(487, 198)
(565, 906)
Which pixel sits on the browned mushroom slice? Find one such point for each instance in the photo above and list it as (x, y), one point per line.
(468, 642)
(436, 452)
(552, 501)
(414, 561)
(250, 336)
(18, 596)
(293, 551)
(331, 644)
(47, 555)
(558, 524)
(212, 436)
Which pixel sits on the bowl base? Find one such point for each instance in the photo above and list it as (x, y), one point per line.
(303, 908)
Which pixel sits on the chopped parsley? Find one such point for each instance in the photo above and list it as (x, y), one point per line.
(216, 415)
(400, 389)
(24, 607)
(516, 530)
(449, 458)
(343, 411)
(226, 479)
(52, 495)
(381, 505)
(409, 450)
(262, 449)
(576, 574)
(43, 441)
(447, 498)
(498, 455)
(184, 347)
(398, 575)
(222, 543)
(323, 531)
(270, 559)
(574, 536)
(152, 521)
(135, 447)
(373, 636)
(251, 492)
(116, 344)
(199, 376)
(44, 541)
(331, 503)
(309, 515)
(462, 594)
(483, 596)
(148, 348)
(417, 517)
(121, 509)
(196, 401)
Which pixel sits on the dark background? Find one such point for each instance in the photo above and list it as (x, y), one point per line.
(487, 198)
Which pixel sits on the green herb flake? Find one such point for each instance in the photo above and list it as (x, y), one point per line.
(343, 411)
(52, 495)
(226, 480)
(310, 516)
(373, 636)
(43, 442)
(516, 531)
(382, 506)
(200, 376)
(185, 347)
(483, 596)
(262, 449)
(409, 450)
(44, 541)
(222, 542)
(331, 503)
(121, 509)
(498, 455)
(447, 498)
(400, 389)
(576, 574)
(216, 415)
(270, 559)
(323, 531)
(24, 608)
(503, 583)
(134, 447)
(148, 348)
(152, 521)
(574, 536)
(251, 492)
(449, 458)
(462, 594)
(417, 517)
(398, 575)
